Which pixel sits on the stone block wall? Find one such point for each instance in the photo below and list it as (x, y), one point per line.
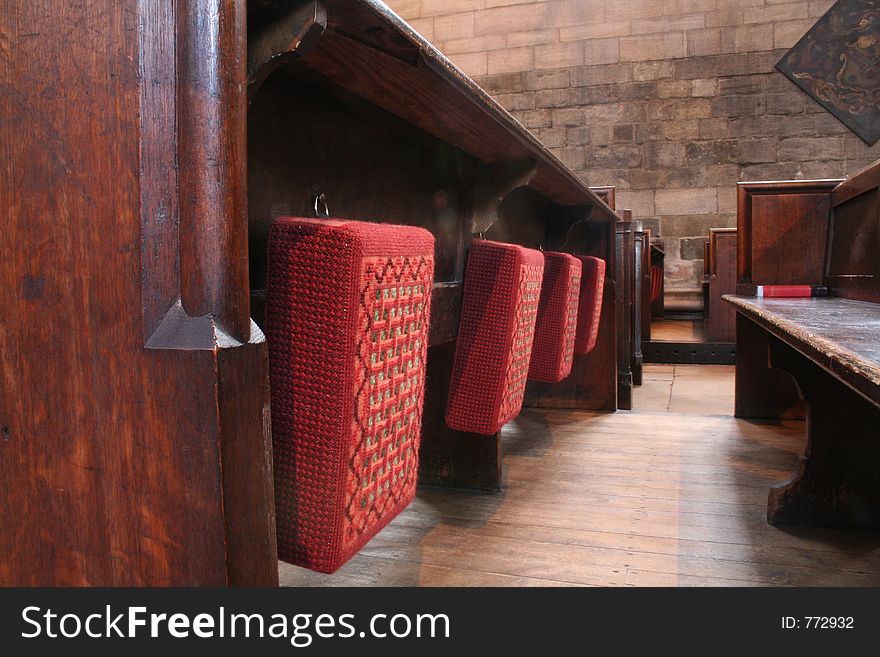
(671, 101)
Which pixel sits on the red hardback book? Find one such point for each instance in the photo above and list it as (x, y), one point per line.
(787, 291)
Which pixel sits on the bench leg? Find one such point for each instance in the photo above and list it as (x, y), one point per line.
(838, 481)
(637, 367)
(449, 458)
(761, 392)
(625, 390)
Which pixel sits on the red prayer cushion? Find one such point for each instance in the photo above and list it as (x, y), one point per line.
(556, 325)
(502, 288)
(590, 306)
(348, 308)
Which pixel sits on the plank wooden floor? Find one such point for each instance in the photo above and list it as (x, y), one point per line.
(678, 330)
(671, 494)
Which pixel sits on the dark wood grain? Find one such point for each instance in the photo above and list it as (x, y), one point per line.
(160, 258)
(776, 220)
(639, 240)
(110, 463)
(784, 224)
(592, 384)
(607, 194)
(836, 481)
(623, 284)
(861, 182)
(853, 264)
(447, 457)
(271, 43)
(370, 51)
(761, 391)
(720, 316)
(645, 312)
(212, 143)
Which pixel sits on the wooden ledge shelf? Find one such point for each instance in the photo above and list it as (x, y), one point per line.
(841, 335)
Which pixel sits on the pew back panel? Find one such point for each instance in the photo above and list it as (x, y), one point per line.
(721, 317)
(853, 268)
(776, 219)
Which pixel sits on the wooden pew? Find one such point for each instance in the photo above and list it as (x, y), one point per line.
(640, 240)
(782, 236)
(720, 316)
(396, 133)
(822, 350)
(139, 255)
(583, 390)
(629, 272)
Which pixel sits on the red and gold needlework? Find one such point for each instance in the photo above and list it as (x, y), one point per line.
(556, 325)
(348, 310)
(590, 306)
(502, 289)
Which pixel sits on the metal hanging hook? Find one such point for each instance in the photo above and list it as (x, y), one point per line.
(320, 199)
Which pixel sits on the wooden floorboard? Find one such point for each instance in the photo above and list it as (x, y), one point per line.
(671, 494)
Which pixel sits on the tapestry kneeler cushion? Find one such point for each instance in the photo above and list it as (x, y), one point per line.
(590, 304)
(348, 310)
(502, 288)
(556, 324)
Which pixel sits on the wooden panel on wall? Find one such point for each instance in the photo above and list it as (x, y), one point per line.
(786, 224)
(855, 231)
(776, 219)
(854, 251)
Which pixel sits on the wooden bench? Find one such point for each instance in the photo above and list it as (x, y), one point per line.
(393, 132)
(145, 369)
(824, 351)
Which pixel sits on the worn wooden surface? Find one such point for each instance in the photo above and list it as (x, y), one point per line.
(829, 346)
(671, 494)
(117, 407)
(840, 335)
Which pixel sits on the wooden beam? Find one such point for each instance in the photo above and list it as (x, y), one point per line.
(294, 33)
